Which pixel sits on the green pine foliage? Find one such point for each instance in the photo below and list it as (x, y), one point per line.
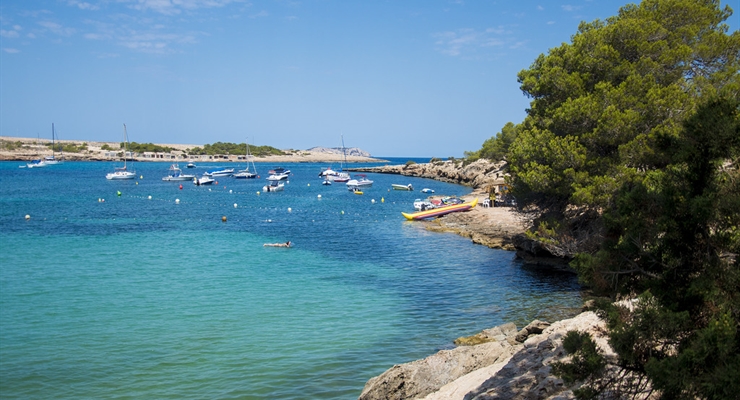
(629, 162)
(234, 148)
(496, 147)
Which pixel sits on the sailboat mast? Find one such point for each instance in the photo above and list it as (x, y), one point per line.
(125, 146)
(52, 140)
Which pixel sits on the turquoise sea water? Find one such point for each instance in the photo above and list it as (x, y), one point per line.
(139, 297)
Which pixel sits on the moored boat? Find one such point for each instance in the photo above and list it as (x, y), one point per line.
(279, 171)
(423, 205)
(278, 177)
(439, 211)
(402, 187)
(274, 186)
(52, 159)
(123, 173)
(219, 172)
(203, 180)
(360, 181)
(36, 164)
(246, 173)
(175, 174)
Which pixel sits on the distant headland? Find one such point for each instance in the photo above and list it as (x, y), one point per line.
(26, 149)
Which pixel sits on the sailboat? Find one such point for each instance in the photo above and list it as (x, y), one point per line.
(341, 176)
(123, 172)
(245, 173)
(52, 160)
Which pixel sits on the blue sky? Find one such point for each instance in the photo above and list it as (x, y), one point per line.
(416, 78)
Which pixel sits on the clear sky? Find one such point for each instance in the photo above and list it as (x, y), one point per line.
(415, 78)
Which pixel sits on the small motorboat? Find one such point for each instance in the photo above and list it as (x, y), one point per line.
(427, 190)
(219, 172)
(402, 187)
(279, 171)
(190, 165)
(175, 174)
(203, 180)
(278, 177)
(326, 182)
(36, 164)
(274, 186)
(339, 177)
(423, 205)
(439, 211)
(360, 181)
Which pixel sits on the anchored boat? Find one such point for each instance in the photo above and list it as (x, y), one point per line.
(439, 211)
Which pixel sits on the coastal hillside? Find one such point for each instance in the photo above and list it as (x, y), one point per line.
(26, 149)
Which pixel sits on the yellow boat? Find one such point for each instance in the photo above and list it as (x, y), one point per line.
(436, 212)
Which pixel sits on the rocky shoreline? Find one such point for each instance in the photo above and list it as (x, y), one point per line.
(505, 364)
(495, 227)
(501, 362)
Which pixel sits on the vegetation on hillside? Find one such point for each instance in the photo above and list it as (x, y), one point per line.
(11, 146)
(629, 162)
(233, 148)
(146, 147)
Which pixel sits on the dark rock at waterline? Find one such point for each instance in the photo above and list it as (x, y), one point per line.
(535, 253)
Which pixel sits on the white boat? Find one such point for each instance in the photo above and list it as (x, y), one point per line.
(427, 190)
(215, 173)
(274, 186)
(402, 187)
(341, 176)
(190, 165)
(203, 180)
(175, 174)
(326, 182)
(279, 171)
(246, 173)
(327, 173)
(52, 160)
(360, 182)
(36, 164)
(278, 177)
(122, 172)
(423, 205)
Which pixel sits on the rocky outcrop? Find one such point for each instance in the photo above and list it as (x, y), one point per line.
(481, 174)
(535, 253)
(499, 369)
(422, 377)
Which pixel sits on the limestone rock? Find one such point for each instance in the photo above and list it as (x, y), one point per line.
(501, 333)
(419, 378)
(525, 374)
(534, 328)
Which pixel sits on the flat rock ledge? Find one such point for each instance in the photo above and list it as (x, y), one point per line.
(502, 363)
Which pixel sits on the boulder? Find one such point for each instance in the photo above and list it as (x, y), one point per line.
(419, 378)
(534, 328)
(501, 333)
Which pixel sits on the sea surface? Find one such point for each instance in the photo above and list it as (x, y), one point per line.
(139, 289)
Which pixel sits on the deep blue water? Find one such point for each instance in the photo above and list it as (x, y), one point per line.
(141, 297)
